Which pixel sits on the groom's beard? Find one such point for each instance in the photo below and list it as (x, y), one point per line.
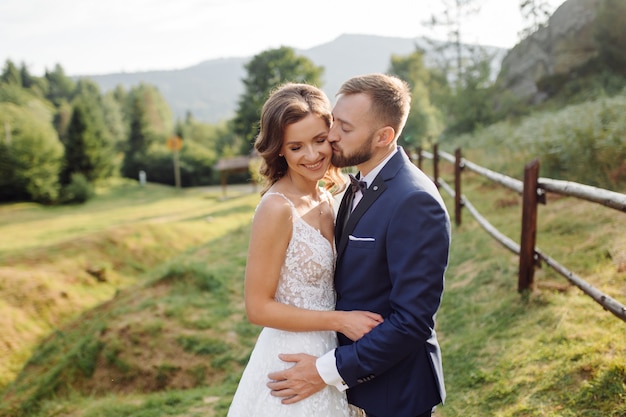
(362, 154)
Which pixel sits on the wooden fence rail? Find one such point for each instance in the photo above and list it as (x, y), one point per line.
(533, 190)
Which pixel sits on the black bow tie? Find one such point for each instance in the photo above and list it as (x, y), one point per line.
(357, 185)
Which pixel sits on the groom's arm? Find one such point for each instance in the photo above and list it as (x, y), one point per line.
(417, 246)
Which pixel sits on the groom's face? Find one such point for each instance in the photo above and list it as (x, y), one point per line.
(351, 135)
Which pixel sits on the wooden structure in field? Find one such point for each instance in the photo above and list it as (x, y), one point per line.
(234, 165)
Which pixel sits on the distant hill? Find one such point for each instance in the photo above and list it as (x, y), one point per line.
(210, 90)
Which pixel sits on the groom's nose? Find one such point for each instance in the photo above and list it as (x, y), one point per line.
(333, 136)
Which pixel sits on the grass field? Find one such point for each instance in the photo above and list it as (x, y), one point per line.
(165, 332)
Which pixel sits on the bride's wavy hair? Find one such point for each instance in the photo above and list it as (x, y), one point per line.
(288, 104)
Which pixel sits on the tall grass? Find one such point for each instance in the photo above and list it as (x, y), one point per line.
(178, 327)
(585, 143)
(65, 260)
(175, 342)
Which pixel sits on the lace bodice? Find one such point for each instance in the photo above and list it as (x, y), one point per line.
(306, 277)
(306, 281)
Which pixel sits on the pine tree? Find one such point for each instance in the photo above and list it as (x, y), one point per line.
(87, 147)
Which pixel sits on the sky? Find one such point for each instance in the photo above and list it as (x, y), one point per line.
(90, 37)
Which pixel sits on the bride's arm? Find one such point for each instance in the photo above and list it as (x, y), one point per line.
(272, 227)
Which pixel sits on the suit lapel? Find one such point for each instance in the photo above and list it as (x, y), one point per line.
(375, 190)
(342, 214)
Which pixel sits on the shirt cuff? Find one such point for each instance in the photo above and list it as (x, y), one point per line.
(327, 368)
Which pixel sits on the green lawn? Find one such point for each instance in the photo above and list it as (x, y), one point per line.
(166, 334)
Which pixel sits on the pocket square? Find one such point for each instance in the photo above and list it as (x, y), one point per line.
(362, 239)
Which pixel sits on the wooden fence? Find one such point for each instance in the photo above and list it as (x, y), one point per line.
(533, 190)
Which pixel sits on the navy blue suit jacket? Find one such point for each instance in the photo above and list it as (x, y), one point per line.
(391, 258)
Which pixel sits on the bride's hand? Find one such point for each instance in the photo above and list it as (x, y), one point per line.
(355, 324)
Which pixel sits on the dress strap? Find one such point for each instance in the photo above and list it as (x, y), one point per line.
(293, 206)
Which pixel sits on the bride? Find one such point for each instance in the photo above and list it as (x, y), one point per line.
(291, 256)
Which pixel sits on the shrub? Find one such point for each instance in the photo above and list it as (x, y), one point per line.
(31, 156)
(79, 190)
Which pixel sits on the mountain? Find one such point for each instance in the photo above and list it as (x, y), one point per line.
(210, 90)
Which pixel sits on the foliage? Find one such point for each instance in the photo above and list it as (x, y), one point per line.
(535, 14)
(195, 163)
(79, 190)
(112, 133)
(88, 148)
(60, 86)
(472, 104)
(584, 142)
(425, 121)
(150, 122)
(610, 35)
(11, 74)
(218, 138)
(451, 20)
(30, 155)
(265, 72)
(254, 169)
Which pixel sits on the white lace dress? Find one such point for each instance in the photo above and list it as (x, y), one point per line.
(306, 281)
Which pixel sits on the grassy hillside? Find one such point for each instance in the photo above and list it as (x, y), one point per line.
(554, 352)
(57, 262)
(171, 337)
(585, 142)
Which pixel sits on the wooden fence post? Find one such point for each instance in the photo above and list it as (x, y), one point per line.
(436, 164)
(420, 157)
(527, 257)
(458, 201)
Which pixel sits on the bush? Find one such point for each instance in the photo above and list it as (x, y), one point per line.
(31, 155)
(585, 143)
(79, 190)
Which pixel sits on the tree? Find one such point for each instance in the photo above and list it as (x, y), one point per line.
(473, 104)
(267, 71)
(451, 20)
(88, 149)
(114, 120)
(150, 122)
(425, 121)
(28, 81)
(62, 119)
(610, 35)
(30, 155)
(535, 13)
(64, 108)
(139, 139)
(11, 74)
(60, 86)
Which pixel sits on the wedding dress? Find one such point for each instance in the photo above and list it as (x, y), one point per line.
(306, 281)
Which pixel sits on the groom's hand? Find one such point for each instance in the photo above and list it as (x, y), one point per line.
(298, 382)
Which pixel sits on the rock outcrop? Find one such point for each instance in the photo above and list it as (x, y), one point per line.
(565, 43)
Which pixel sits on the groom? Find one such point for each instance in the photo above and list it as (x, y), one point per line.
(392, 243)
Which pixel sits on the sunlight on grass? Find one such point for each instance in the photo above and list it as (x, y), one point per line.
(70, 259)
(177, 331)
(505, 355)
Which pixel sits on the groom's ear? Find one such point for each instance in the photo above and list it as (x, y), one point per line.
(385, 136)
